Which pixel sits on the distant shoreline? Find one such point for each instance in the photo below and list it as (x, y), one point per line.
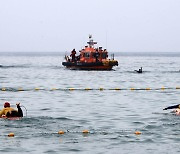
(61, 53)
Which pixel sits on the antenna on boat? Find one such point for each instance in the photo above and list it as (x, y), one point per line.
(91, 41)
(83, 40)
(106, 40)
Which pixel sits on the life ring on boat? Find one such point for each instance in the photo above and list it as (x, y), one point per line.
(106, 63)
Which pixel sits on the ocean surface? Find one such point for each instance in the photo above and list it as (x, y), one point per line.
(119, 103)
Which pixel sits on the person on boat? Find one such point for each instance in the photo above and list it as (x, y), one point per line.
(67, 58)
(73, 55)
(96, 55)
(106, 53)
(8, 111)
(78, 57)
(100, 49)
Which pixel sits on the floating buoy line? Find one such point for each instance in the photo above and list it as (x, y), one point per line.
(86, 132)
(85, 89)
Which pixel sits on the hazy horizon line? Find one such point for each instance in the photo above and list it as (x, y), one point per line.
(77, 50)
(58, 53)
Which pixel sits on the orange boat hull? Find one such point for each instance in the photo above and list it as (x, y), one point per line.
(87, 66)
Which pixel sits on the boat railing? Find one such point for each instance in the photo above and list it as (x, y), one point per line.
(112, 56)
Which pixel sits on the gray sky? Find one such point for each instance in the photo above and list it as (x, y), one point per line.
(118, 25)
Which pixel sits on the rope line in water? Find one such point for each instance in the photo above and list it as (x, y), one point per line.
(86, 132)
(85, 89)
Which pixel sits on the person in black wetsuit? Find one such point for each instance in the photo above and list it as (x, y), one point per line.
(139, 71)
(172, 107)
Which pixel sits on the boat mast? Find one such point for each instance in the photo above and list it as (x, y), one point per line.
(91, 42)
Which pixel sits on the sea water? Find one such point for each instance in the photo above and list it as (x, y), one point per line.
(111, 105)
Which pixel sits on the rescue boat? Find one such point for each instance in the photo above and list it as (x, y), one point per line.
(90, 58)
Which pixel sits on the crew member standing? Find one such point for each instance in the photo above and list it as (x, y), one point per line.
(73, 55)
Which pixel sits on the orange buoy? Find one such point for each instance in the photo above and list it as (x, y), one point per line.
(163, 88)
(85, 131)
(137, 133)
(3, 89)
(61, 132)
(11, 135)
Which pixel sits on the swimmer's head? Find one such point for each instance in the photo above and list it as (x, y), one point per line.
(7, 104)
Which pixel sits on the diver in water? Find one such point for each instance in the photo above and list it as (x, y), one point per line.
(139, 71)
(8, 111)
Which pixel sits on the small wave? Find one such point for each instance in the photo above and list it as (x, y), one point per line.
(160, 113)
(177, 71)
(134, 72)
(45, 109)
(63, 118)
(138, 123)
(13, 66)
(40, 118)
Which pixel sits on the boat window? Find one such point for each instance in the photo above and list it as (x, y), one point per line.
(96, 54)
(104, 55)
(87, 55)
